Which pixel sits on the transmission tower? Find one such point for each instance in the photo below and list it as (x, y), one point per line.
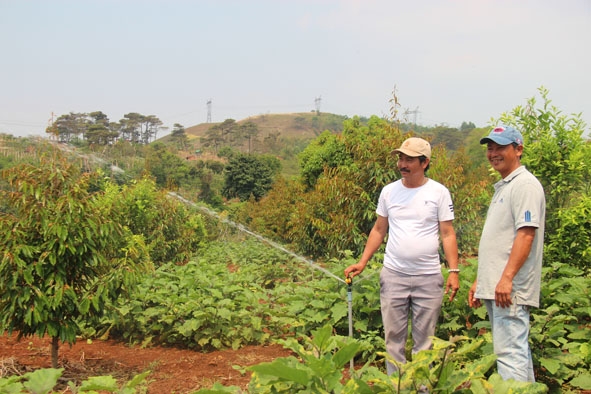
(208, 111)
(317, 101)
(414, 112)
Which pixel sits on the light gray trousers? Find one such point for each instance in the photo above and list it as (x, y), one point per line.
(421, 295)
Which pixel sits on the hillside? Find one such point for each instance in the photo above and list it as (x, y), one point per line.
(303, 125)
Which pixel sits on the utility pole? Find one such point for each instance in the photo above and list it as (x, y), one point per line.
(317, 101)
(414, 112)
(52, 135)
(208, 111)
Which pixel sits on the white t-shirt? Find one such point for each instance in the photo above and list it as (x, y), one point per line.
(413, 219)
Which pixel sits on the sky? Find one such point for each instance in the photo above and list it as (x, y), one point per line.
(448, 61)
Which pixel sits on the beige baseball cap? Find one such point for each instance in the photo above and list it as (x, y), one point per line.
(415, 147)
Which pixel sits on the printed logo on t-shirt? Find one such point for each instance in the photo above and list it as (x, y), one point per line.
(527, 216)
(451, 207)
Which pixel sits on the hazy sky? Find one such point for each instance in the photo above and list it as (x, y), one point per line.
(450, 61)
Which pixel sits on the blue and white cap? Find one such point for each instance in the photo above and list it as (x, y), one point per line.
(503, 135)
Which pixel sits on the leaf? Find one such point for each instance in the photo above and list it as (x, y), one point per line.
(11, 385)
(98, 383)
(513, 386)
(585, 350)
(339, 311)
(281, 370)
(346, 354)
(484, 364)
(138, 379)
(582, 381)
(42, 381)
(225, 314)
(580, 334)
(219, 388)
(551, 365)
(321, 336)
(84, 306)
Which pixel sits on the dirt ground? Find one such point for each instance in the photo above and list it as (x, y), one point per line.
(173, 370)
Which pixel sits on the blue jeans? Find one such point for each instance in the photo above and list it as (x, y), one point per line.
(510, 332)
(421, 295)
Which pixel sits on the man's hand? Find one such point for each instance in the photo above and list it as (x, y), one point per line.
(452, 286)
(354, 270)
(472, 300)
(503, 293)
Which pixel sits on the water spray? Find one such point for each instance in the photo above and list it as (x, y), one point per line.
(348, 280)
(257, 236)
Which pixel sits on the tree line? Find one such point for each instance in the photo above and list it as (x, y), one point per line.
(96, 128)
(244, 137)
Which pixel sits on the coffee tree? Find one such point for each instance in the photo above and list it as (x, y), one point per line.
(62, 257)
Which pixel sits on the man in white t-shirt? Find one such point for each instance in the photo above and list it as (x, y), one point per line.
(415, 212)
(510, 254)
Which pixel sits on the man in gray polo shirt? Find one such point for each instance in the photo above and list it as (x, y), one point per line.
(510, 254)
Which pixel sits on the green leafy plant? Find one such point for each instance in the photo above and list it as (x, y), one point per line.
(228, 297)
(249, 176)
(561, 333)
(318, 369)
(44, 381)
(173, 231)
(320, 362)
(63, 257)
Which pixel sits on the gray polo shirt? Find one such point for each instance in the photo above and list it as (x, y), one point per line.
(518, 202)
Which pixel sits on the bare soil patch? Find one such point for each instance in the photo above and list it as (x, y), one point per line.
(172, 370)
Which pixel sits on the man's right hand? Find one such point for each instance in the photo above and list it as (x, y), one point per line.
(354, 270)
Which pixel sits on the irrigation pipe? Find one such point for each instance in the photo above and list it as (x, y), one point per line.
(257, 236)
(348, 281)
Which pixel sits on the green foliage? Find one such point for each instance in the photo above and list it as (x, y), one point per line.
(325, 151)
(63, 257)
(226, 298)
(340, 210)
(43, 381)
(249, 176)
(450, 367)
(571, 241)
(318, 368)
(178, 136)
(273, 215)
(168, 170)
(324, 301)
(172, 231)
(95, 128)
(342, 176)
(450, 138)
(557, 154)
(561, 332)
(470, 191)
(457, 318)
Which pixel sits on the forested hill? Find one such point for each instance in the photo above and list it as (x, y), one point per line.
(305, 125)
